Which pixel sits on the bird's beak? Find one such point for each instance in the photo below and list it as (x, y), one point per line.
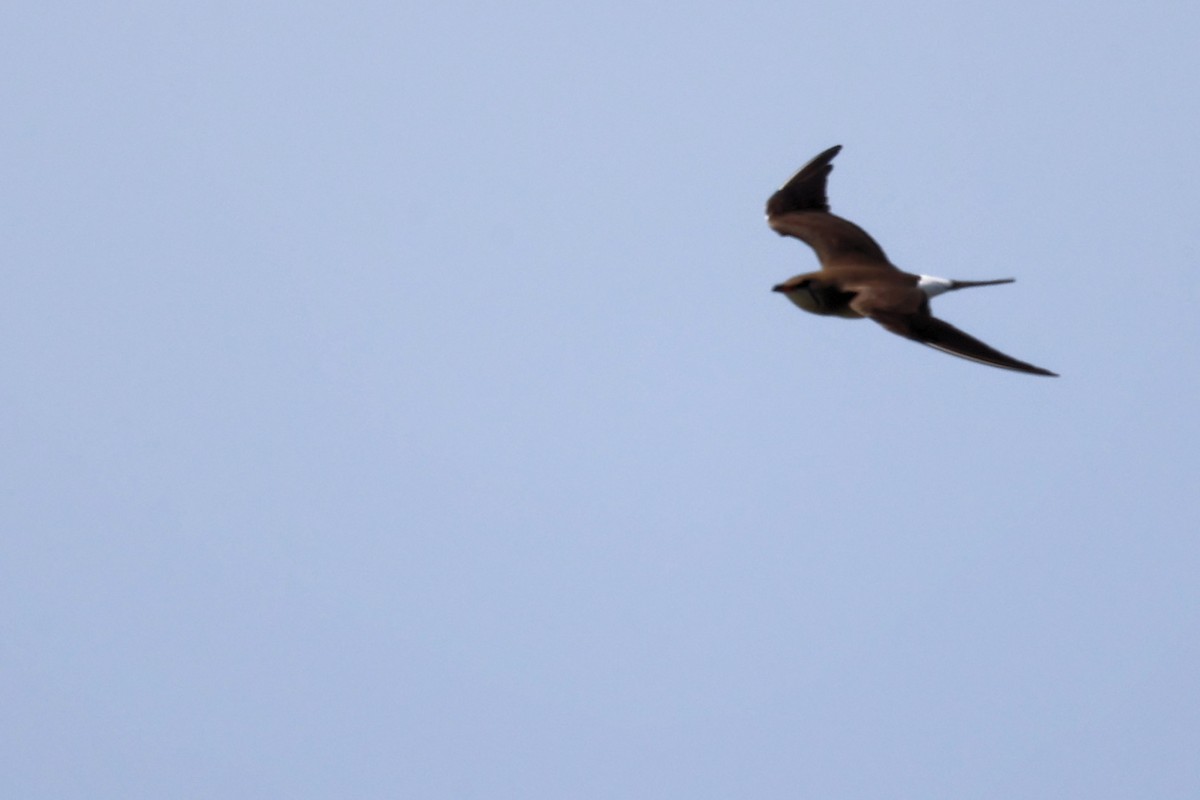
(779, 288)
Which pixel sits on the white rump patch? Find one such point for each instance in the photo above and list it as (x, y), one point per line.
(932, 286)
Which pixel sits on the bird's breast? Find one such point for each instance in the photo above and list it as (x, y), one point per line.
(824, 300)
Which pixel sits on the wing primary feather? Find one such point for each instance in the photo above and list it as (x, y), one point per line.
(805, 191)
(941, 335)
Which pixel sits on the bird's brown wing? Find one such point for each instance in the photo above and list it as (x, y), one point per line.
(940, 335)
(837, 241)
(806, 189)
(801, 209)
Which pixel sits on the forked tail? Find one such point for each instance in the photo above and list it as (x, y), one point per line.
(968, 284)
(933, 286)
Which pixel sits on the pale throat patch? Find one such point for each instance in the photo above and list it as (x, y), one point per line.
(932, 286)
(804, 299)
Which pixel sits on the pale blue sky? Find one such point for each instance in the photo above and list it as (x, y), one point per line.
(396, 405)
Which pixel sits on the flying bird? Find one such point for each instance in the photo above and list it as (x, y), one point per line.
(856, 279)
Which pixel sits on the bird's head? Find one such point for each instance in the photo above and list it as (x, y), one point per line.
(791, 285)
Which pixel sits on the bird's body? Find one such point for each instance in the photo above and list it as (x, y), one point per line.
(857, 280)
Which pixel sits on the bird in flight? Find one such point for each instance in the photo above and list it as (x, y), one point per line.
(856, 279)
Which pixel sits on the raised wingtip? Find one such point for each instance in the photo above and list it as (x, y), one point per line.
(824, 157)
(805, 191)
